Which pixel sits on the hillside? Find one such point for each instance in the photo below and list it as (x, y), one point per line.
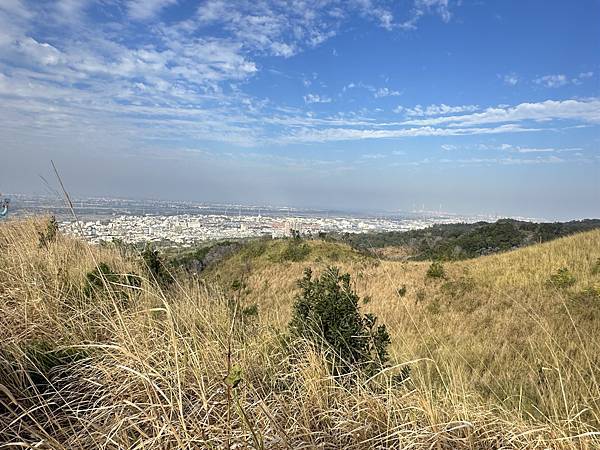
(463, 240)
(500, 352)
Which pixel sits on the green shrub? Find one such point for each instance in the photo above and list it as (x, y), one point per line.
(154, 264)
(326, 313)
(250, 311)
(44, 358)
(102, 280)
(458, 288)
(562, 279)
(596, 267)
(585, 304)
(401, 291)
(295, 251)
(590, 294)
(255, 249)
(433, 307)
(436, 270)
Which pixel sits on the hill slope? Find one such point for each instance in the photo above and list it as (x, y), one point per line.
(497, 319)
(466, 240)
(92, 355)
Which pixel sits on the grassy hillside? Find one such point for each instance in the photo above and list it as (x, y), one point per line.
(501, 352)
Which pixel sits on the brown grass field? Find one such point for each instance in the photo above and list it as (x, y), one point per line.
(495, 356)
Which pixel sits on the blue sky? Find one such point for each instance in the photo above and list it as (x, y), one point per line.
(489, 107)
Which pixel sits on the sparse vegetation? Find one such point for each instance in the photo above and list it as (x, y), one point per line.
(49, 234)
(596, 267)
(562, 279)
(250, 310)
(436, 270)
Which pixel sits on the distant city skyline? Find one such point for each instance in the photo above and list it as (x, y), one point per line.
(357, 105)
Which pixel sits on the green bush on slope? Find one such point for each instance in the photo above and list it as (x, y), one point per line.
(326, 313)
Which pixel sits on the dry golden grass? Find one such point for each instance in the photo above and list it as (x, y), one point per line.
(498, 358)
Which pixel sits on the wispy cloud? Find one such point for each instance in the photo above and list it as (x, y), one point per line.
(449, 147)
(559, 80)
(422, 7)
(315, 98)
(184, 81)
(577, 110)
(386, 92)
(147, 9)
(435, 110)
(552, 81)
(388, 18)
(511, 148)
(373, 156)
(510, 79)
(348, 134)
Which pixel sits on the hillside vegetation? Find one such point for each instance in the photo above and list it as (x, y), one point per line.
(463, 240)
(100, 350)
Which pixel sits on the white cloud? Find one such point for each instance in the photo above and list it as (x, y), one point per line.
(534, 150)
(449, 147)
(579, 110)
(347, 134)
(382, 13)
(386, 92)
(184, 84)
(438, 6)
(509, 161)
(510, 79)
(435, 110)
(315, 98)
(582, 77)
(273, 27)
(39, 52)
(552, 81)
(373, 156)
(559, 80)
(147, 9)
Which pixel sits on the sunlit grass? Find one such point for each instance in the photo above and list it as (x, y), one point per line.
(498, 357)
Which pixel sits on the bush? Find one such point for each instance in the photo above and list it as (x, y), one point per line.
(103, 280)
(255, 249)
(326, 313)
(49, 235)
(436, 270)
(155, 265)
(401, 291)
(295, 251)
(562, 279)
(596, 267)
(458, 288)
(250, 310)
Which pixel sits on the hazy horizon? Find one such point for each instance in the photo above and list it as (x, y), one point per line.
(56, 195)
(365, 105)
